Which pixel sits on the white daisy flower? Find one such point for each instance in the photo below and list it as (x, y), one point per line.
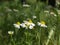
(23, 25)
(11, 32)
(17, 25)
(32, 24)
(29, 24)
(42, 24)
(31, 27)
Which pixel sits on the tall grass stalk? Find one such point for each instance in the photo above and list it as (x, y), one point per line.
(50, 36)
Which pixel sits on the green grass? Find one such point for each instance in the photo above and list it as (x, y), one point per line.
(38, 35)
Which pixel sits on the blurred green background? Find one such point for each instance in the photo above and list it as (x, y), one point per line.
(36, 36)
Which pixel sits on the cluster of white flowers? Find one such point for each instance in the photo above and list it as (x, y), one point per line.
(26, 24)
(29, 24)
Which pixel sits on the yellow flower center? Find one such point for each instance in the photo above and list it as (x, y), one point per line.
(30, 21)
(42, 22)
(18, 23)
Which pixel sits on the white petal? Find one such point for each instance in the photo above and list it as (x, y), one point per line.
(30, 27)
(33, 24)
(23, 25)
(43, 25)
(10, 32)
(16, 26)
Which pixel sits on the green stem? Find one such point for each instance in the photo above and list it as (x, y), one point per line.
(12, 40)
(38, 36)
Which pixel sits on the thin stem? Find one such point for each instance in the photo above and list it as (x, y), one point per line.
(12, 40)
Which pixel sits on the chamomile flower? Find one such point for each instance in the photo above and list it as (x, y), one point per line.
(31, 27)
(42, 24)
(10, 32)
(17, 25)
(23, 25)
(26, 23)
(29, 24)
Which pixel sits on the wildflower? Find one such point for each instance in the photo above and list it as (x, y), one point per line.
(29, 24)
(31, 27)
(23, 25)
(10, 32)
(17, 25)
(26, 5)
(34, 17)
(42, 24)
